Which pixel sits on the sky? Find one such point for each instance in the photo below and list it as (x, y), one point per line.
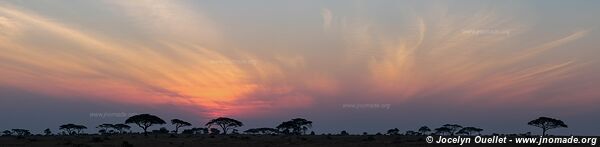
(349, 65)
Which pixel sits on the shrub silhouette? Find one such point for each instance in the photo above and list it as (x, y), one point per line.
(178, 124)
(144, 121)
(412, 133)
(214, 131)
(225, 123)
(546, 123)
(261, 131)
(162, 130)
(193, 131)
(344, 133)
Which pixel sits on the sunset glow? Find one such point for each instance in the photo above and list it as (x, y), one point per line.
(213, 63)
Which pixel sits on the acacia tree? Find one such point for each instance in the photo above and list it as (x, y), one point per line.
(121, 127)
(295, 126)
(47, 132)
(104, 128)
(144, 121)
(21, 132)
(423, 130)
(469, 130)
(79, 128)
(72, 129)
(225, 123)
(394, 131)
(7, 133)
(179, 123)
(547, 123)
(443, 130)
(453, 128)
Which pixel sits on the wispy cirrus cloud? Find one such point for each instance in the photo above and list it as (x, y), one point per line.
(179, 55)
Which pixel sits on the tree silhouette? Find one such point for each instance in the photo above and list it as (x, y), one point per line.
(453, 128)
(161, 130)
(21, 132)
(469, 130)
(6, 133)
(547, 123)
(144, 121)
(79, 128)
(72, 129)
(47, 132)
(179, 123)
(443, 131)
(121, 127)
(394, 131)
(195, 131)
(225, 123)
(104, 128)
(344, 133)
(411, 133)
(424, 129)
(263, 131)
(295, 126)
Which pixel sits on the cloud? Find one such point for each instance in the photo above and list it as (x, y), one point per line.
(182, 59)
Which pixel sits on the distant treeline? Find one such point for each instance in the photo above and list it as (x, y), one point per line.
(224, 125)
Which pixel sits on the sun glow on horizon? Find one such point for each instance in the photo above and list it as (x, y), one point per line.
(184, 57)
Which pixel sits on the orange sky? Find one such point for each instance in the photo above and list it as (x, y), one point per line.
(216, 63)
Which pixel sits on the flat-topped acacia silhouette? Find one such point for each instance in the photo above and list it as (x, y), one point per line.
(105, 128)
(144, 121)
(21, 132)
(546, 123)
(394, 131)
(121, 127)
(296, 126)
(452, 128)
(469, 131)
(225, 123)
(443, 131)
(178, 124)
(424, 130)
(72, 129)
